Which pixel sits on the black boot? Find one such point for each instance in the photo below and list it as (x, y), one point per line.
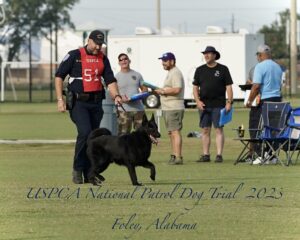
(77, 177)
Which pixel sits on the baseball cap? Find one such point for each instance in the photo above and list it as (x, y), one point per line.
(263, 48)
(212, 50)
(167, 56)
(97, 36)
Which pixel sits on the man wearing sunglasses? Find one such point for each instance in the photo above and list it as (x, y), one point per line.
(129, 83)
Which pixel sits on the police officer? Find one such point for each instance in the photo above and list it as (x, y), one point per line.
(85, 67)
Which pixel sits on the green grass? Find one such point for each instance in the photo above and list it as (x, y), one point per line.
(22, 216)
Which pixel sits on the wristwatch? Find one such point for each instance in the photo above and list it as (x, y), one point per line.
(229, 101)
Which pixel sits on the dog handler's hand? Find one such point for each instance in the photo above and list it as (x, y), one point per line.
(61, 105)
(118, 100)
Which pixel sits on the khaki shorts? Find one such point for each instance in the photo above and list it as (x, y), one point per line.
(127, 120)
(173, 119)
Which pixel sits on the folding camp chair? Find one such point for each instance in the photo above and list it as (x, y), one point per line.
(250, 143)
(247, 154)
(275, 132)
(293, 131)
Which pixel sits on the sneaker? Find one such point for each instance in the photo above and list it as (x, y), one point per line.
(219, 159)
(257, 161)
(175, 161)
(204, 158)
(178, 161)
(77, 177)
(272, 161)
(172, 159)
(248, 159)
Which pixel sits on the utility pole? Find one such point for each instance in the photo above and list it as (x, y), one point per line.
(158, 25)
(232, 23)
(51, 64)
(30, 64)
(293, 46)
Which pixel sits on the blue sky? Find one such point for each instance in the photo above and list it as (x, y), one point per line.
(191, 16)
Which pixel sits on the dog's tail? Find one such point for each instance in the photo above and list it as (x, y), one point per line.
(98, 132)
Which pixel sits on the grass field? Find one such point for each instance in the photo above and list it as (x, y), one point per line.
(205, 201)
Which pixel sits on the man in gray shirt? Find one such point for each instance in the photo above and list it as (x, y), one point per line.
(129, 83)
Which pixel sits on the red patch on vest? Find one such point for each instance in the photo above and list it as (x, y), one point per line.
(92, 69)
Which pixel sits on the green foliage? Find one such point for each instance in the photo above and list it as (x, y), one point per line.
(275, 35)
(35, 17)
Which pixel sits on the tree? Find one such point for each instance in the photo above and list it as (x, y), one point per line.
(34, 18)
(275, 35)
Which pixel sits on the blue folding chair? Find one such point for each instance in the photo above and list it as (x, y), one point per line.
(275, 132)
(293, 131)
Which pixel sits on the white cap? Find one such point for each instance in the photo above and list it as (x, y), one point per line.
(263, 48)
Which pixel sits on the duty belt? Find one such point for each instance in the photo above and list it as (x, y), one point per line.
(84, 97)
(71, 79)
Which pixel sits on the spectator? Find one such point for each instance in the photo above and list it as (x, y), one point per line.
(130, 83)
(172, 104)
(211, 83)
(266, 81)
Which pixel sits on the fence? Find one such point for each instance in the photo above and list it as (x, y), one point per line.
(25, 82)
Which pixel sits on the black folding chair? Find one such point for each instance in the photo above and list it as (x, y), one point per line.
(251, 144)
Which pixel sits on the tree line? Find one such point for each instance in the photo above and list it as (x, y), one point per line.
(35, 18)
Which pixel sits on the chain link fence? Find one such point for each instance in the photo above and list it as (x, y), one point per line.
(25, 82)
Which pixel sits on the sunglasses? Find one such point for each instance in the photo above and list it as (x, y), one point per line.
(123, 59)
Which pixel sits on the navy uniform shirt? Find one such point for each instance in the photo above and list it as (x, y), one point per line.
(71, 65)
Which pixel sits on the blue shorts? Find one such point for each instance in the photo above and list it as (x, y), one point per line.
(210, 116)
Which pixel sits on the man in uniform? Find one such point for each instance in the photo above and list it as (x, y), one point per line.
(85, 67)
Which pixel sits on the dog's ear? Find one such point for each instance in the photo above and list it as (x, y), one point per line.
(145, 119)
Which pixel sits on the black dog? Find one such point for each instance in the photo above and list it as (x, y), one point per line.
(130, 150)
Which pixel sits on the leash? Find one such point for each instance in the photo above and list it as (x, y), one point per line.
(117, 109)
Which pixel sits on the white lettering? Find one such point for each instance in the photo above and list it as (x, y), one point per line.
(88, 75)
